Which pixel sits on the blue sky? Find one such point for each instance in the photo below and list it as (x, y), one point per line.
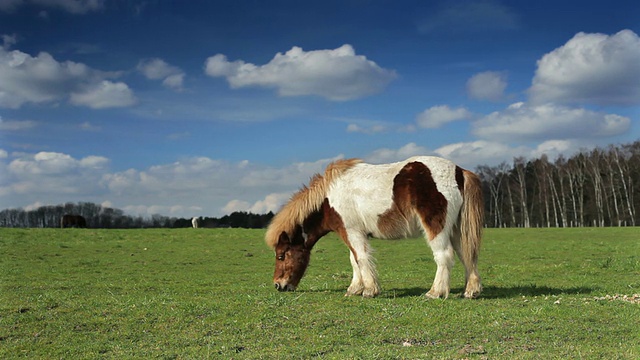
(189, 108)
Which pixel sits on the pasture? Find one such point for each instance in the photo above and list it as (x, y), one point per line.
(208, 293)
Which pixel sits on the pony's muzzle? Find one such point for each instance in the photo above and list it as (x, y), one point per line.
(287, 287)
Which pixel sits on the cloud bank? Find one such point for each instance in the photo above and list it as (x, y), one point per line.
(189, 187)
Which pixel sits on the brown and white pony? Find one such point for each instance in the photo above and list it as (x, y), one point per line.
(424, 195)
(76, 221)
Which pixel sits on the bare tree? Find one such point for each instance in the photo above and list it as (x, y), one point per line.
(519, 164)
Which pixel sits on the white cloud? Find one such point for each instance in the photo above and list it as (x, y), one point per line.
(337, 74)
(194, 175)
(34, 206)
(481, 152)
(553, 148)
(43, 163)
(472, 154)
(521, 121)
(46, 176)
(42, 79)
(94, 162)
(52, 163)
(386, 155)
(371, 129)
(174, 81)
(107, 94)
(71, 6)
(436, 116)
(8, 40)
(185, 188)
(272, 202)
(16, 125)
(590, 68)
(179, 136)
(216, 187)
(290, 176)
(157, 69)
(368, 126)
(236, 205)
(488, 85)
(87, 126)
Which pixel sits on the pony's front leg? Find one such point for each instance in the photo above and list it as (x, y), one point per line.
(365, 279)
(443, 254)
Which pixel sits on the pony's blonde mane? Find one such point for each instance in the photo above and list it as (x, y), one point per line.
(306, 201)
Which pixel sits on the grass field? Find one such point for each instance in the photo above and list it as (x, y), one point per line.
(207, 293)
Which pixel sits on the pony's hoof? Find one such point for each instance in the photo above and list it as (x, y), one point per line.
(354, 290)
(471, 294)
(434, 295)
(370, 293)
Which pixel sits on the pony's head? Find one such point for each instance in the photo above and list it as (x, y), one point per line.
(302, 215)
(292, 259)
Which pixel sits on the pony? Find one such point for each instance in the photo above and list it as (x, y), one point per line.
(76, 221)
(421, 196)
(195, 222)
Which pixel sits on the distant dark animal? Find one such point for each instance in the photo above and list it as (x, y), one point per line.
(76, 221)
(426, 196)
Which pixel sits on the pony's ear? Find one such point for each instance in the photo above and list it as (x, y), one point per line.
(283, 238)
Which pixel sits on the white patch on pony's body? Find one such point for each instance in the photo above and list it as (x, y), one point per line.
(365, 192)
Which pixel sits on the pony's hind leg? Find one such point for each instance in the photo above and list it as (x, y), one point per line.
(443, 254)
(356, 286)
(472, 283)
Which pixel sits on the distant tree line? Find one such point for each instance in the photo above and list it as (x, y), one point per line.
(599, 187)
(98, 216)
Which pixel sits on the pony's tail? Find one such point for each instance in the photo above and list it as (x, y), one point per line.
(471, 224)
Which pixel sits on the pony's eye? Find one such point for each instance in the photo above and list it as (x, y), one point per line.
(280, 257)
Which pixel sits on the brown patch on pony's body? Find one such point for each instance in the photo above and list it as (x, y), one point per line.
(324, 221)
(414, 192)
(460, 178)
(306, 201)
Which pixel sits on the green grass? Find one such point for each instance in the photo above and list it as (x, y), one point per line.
(204, 293)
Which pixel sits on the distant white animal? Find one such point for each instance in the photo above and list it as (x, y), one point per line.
(195, 222)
